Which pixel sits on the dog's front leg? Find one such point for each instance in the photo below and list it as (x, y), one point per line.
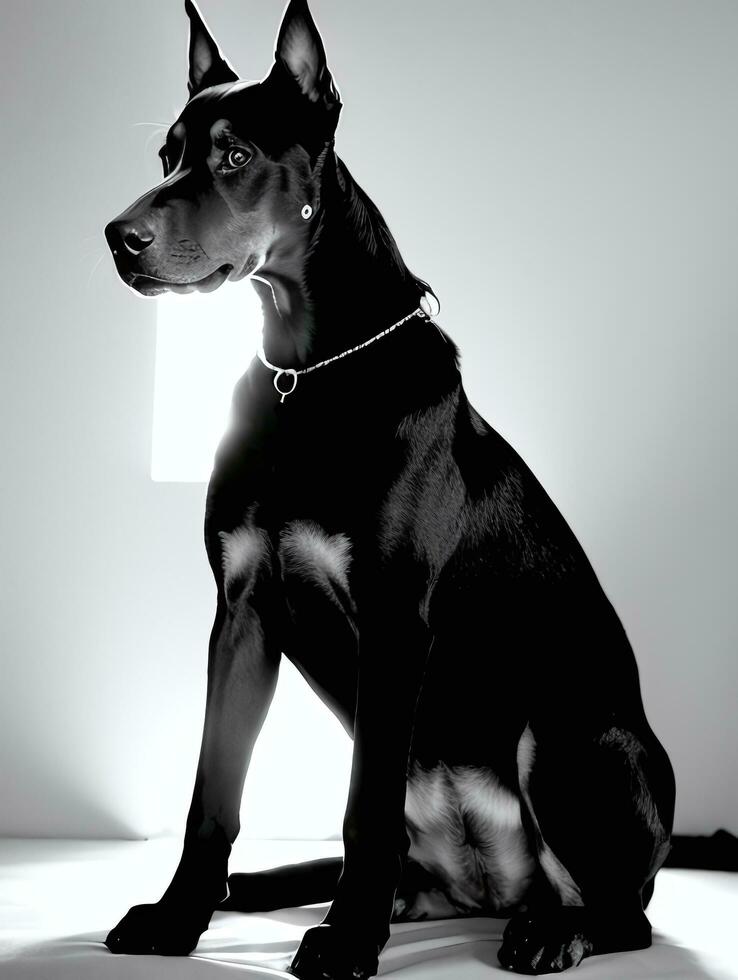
(242, 673)
(347, 944)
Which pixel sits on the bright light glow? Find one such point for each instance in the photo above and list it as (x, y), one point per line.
(204, 343)
(298, 778)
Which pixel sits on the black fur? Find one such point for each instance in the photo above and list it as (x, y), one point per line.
(374, 529)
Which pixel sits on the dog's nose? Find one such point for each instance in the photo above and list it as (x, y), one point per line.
(121, 235)
(137, 240)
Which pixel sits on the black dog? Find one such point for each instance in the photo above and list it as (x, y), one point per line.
(364, 521)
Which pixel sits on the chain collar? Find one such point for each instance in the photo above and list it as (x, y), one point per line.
(293, 374)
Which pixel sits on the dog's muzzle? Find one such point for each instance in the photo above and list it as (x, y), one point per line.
(128, 241)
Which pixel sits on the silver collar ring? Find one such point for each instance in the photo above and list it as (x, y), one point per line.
(291, 373)
(424, 312)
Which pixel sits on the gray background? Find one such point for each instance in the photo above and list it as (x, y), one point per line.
(564, 176)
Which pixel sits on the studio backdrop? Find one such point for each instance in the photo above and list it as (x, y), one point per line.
(564, 177)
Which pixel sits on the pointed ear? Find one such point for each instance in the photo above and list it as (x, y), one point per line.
(207, 65)
(300, 49)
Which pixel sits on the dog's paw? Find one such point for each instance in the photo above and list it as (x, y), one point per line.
(158, 930)
(327, 953)
(546, 941)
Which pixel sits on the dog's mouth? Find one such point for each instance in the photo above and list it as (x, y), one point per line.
(153, 286)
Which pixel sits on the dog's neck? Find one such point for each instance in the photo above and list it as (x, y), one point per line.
(335, 287)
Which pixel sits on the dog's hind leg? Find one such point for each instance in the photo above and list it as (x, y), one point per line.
(600, 806)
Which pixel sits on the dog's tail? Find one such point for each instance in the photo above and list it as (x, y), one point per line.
(309, 883)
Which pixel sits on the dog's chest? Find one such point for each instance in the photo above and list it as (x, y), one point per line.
(310, 561)
(311, 558)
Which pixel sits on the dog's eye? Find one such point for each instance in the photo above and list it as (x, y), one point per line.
(236, 157)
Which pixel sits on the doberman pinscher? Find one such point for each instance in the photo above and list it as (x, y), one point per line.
(365, 522)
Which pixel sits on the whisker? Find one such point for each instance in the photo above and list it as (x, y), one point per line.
(153, 136)
(94, 269)
(160, 129)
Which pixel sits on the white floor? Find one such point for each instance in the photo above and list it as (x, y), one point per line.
(59, 898)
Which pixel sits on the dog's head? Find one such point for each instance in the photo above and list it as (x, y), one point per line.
(241, 167)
